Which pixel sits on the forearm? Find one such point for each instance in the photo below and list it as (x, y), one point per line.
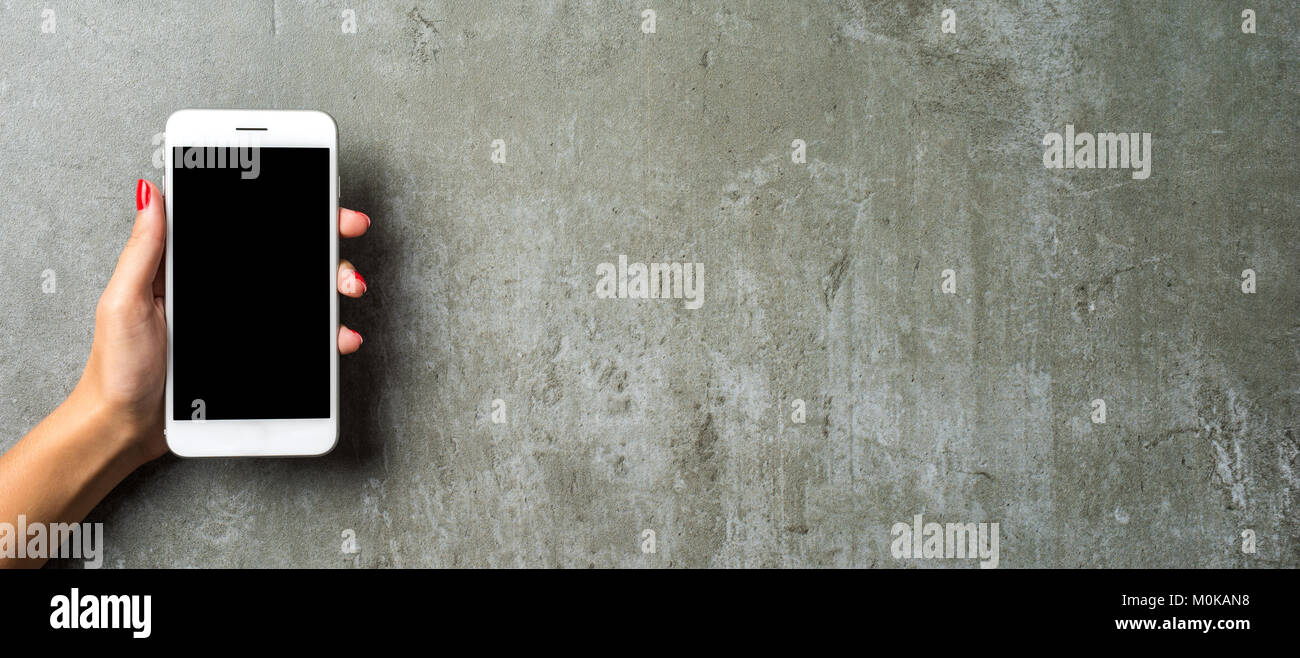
(61, 469)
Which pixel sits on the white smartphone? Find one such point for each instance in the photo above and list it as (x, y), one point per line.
(252, 257)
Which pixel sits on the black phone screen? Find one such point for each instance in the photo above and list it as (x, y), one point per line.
(252, 283)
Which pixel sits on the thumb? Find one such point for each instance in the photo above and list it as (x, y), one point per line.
(138, 264)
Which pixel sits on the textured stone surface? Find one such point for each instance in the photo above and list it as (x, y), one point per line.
(821, 279)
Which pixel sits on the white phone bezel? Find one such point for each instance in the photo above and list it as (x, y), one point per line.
(274, 437)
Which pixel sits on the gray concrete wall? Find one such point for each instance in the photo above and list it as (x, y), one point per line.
(822, 279)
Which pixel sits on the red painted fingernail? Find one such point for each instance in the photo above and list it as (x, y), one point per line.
(361, 280)
(141, 194)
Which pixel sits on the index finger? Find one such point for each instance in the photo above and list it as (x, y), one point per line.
(352, 224)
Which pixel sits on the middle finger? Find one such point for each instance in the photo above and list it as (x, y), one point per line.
(350, 282)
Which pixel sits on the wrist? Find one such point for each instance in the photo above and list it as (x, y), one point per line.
(118, 434)
(66, 464)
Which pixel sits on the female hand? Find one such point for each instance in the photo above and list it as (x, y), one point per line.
(112, 422)
(127, 371)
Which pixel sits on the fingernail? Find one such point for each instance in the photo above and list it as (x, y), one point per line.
(367, 219)
(141, 194)
(358, 335)
(360, 280)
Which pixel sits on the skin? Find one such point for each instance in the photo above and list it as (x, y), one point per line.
(112, 422)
